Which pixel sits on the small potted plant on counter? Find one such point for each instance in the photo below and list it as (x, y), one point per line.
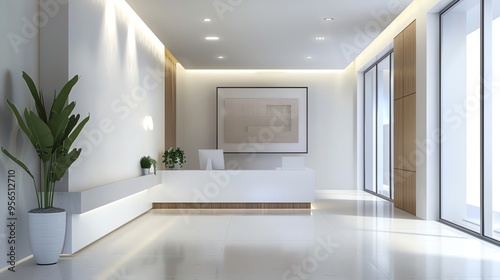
(146, 163)
(174, 158)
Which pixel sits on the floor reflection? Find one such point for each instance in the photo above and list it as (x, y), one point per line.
(347, 235)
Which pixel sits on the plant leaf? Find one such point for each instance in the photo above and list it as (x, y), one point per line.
(41, 136)
(60, 165)
(58, 123)
(20, 163)
(20, 120)
(62, 97)
(25, 168)
(74, 134)
(40, 106)
(73, 120)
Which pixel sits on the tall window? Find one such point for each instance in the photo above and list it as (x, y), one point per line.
(470, 112)
(492, 119)
(378, 127)
(370, 132)
(460, 115)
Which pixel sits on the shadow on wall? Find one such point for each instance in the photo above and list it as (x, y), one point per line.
(5, 113)
(13, 134)
(7, 84)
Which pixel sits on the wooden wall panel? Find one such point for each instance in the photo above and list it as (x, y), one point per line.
(405, 120)
(410, 59)
(398, 65)
(405, 190)
(398, 180)
(411, 195)
(410, 132)
(398, 134)
(170, 100)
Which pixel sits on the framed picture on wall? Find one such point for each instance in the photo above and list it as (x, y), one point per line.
(262, 119)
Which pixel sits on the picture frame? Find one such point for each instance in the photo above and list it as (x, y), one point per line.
(271, 120)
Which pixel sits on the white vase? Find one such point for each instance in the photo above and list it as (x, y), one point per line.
(46, 233)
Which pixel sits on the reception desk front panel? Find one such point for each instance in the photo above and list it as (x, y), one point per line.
(233, 186)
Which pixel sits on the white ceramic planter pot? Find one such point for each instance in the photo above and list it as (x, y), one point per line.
(145, 171)
(177, 166)
(47, 232)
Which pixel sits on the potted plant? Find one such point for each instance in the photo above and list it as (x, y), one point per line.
(174, 157)
(51, 132)
(146, 163)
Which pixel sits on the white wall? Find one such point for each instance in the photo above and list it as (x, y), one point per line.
(332, 118)
(19, 52)
(121, 67)
(121, 64)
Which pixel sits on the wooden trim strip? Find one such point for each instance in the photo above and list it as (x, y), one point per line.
(170, 100)
(231, 205)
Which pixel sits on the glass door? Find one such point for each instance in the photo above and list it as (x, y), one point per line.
(378, 87)
(384, 141)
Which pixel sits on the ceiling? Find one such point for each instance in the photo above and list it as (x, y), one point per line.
(267, 34)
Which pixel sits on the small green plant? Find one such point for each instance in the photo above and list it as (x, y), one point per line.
(147, 162)
(173, 156)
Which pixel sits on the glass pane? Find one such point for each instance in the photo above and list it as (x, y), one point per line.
(461, 111)
(370, 151)
(384, 127)
(492, 121)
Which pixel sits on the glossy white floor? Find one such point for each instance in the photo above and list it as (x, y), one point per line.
(348, 235)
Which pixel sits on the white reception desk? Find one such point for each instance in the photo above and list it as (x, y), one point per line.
(103, 209)
(236, 186)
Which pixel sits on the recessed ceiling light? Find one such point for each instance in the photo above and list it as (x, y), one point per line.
(220, 57)
(207, 19)
(320, 38)
(328, 19)
(212, 38)
(309, 57)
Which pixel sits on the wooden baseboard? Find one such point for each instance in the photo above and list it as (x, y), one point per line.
(231, 205)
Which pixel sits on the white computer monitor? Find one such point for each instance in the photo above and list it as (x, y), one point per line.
(211, 159)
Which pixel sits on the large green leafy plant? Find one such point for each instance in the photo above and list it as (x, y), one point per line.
(51, 133)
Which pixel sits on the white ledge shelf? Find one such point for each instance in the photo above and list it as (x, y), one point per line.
(87, 200)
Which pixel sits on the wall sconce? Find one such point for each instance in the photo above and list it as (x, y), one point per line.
(147, 123)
